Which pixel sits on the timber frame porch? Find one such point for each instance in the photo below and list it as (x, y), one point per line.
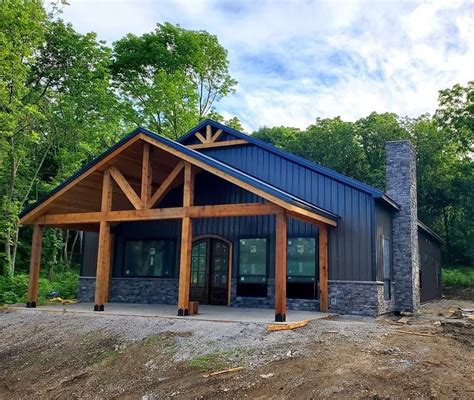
(128, 181)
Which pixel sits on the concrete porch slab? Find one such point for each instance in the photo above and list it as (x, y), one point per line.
(206, 312)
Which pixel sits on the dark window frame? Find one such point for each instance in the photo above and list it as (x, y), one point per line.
(387, 281)
(315, 284)
(267, 266)
(173, 240)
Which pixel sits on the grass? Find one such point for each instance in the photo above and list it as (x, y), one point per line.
(209, 362)
(460, 277)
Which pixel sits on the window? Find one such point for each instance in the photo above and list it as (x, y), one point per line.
(252, 268)
(199, 264)
(301, 268)
(386, 268)
(150, 258)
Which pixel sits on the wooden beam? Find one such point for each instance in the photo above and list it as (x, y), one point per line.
(31, 216)
(280, 266)
(112, 216)
(213, 170)
(216, 135)
(233, 210)
(35, 262)
(185, 266)
(102, 278)
(201, 138)
(188, 189)
(126, 188)
(165, 186)
(223, 143)
(208, 133)
(323, 268)
(146, 174)
(219, 210)
(186, 243)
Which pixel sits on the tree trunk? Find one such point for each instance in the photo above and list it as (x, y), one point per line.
(73, 246)
(14, 248)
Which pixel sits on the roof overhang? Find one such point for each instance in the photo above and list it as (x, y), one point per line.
(374, 192)
(431, 233)
(295, 206)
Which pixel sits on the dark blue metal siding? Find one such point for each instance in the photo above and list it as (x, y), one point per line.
(351, 247)
(209, 190)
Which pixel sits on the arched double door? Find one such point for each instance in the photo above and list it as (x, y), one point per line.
(210, 271)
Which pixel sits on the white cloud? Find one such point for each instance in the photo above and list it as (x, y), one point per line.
(299, 60)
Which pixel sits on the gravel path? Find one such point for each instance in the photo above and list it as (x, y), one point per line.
(194, 337)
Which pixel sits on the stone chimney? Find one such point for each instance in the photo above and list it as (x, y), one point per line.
(401, 187)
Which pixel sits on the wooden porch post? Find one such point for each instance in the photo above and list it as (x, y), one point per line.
(35, 262)
(146, 175)
(102, 278)
(186, 243)
(280, 267)
(323, 268)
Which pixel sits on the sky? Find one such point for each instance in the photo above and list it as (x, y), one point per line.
(296, 61)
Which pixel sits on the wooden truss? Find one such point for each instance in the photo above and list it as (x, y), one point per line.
(210, 140)
(143, 197)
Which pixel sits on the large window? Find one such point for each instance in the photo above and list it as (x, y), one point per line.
(386, 268)
(153, 258)
(301, 268)
(252, 268)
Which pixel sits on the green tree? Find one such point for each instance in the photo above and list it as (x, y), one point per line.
(22, 26)
(374, 131)
(171, 78)
(456, 113)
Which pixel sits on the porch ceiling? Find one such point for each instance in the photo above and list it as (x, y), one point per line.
(82, 193)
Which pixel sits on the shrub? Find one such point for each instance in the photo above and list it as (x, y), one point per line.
(458, 277)
(14, 289)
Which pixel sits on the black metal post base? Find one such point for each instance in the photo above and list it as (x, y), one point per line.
(99, 307)
(31, 304)
(280, 317)
(183, 313)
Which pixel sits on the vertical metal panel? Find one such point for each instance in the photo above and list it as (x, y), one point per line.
(89, 255)
(383, 228)
(351, 244)
(430, 267)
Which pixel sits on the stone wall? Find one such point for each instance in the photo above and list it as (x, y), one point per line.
(133, 290)
(401, 187)
(165, 291)
(353, 297)
(345, 297)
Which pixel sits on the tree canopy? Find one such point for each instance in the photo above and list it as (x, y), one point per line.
(66, 96)
(445, 171)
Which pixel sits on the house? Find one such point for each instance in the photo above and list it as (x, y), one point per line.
(222, 218)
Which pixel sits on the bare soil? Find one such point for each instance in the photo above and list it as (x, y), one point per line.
(54, 356)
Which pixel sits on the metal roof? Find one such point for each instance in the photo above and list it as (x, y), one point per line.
(374, 192)
(430, 232)
(267, 188)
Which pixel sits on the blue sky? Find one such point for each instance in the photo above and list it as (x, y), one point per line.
(299, 60)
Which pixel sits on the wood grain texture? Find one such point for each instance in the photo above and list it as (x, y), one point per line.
(146, 174)
(216, 135)
(201, 138)
(211, 211)
(165, 186)
(30, 217)
(126, 188)
(35, 263)
(104, 247)
(288, 206)
(323, 268)
(280, 266)
(237, 142)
